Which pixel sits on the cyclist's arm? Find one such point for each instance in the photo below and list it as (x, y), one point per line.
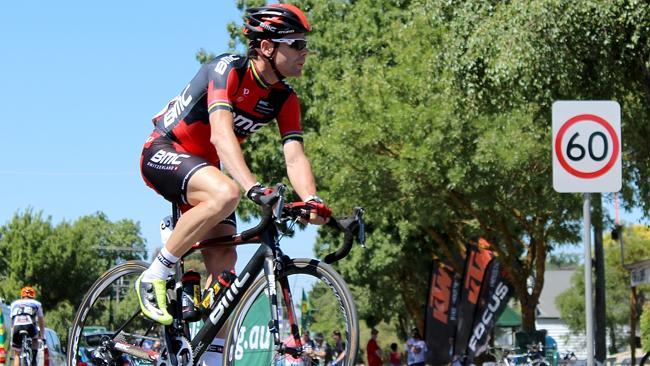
(299, 169)
(298, 166)
(41, 325)
(41, 322)
(222, 85)
(222, 136)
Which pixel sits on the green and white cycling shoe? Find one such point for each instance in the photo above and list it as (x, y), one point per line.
(153, 299)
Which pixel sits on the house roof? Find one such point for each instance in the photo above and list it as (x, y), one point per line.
(555, 282)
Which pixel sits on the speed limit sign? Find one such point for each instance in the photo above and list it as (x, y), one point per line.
(586, 146)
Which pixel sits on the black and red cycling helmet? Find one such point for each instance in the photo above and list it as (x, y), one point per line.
(274, 21)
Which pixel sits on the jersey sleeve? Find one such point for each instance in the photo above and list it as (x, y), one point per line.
(223, 80)
(289, 120)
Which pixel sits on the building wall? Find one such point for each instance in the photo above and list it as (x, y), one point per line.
(566, 342)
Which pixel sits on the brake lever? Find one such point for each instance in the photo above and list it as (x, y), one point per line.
(279, 206)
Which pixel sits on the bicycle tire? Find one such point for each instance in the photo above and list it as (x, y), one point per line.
(25, 352)
(644, 359)
(25, 361)
(97, 302)
(342, 317)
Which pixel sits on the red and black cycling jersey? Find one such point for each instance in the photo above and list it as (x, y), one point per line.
(232, 83)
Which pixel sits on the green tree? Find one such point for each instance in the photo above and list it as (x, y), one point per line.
(435, 116)
(571, 303)
(644, 326)
(50, 257)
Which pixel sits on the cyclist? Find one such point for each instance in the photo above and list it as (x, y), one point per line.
(25, 314)
(229, 99)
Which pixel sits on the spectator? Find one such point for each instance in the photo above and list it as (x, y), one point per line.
(373, 350)
(307, 348)
(416, 349)
(338, 349)
(395, 357)
(322, 351)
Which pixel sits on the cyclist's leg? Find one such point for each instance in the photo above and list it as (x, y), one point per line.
(213, 197)
(16, 343)
(33, 334)
(193, 181)
(218, 260)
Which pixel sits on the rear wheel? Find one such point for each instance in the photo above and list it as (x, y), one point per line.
(322, 303)
(110, 305)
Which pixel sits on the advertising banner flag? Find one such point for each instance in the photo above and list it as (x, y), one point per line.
(476, 262)
(442, 314)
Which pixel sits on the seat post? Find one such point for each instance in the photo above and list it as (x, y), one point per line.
(175, 213)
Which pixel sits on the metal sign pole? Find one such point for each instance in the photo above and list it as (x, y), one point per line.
(589, 308)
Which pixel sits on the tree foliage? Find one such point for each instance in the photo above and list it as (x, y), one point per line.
(61, 261)
(435, 116)
(644, 326)
(571, 303)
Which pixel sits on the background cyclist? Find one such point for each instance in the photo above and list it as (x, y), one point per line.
(201, 129)
(25, 314)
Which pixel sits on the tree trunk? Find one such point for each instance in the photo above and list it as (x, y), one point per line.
(528, 317)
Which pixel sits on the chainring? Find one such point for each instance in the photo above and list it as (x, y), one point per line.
(184, 354)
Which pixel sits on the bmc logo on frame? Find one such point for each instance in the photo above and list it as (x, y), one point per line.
(168, 158)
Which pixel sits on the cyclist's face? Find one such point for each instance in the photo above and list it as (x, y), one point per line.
(290, 60)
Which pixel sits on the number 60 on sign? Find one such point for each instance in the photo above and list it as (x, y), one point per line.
(586, 146)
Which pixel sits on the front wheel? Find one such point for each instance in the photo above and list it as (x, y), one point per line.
(323, 305)
(110, 306)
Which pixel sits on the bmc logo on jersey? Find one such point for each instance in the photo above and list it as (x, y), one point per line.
(177, 106)
(222, 65)
(246, 126)
(168, 158)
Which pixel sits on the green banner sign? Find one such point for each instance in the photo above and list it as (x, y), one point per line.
(255, 344)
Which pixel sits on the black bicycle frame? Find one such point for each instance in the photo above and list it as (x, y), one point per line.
(223, 306)
(265, 258)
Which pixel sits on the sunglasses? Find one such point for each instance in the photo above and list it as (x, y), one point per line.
(295, 43)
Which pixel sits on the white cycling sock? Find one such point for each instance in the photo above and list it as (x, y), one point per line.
(214, 355)
(161, 267)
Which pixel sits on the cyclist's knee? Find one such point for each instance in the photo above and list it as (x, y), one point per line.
(219, 206)
(229, 193)
(225, 195)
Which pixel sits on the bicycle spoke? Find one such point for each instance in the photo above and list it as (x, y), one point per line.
(112, 308)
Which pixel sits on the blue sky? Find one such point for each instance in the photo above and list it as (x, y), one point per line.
(79, 83)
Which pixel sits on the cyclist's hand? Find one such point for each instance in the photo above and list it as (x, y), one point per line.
(256, 192)
(320, 213)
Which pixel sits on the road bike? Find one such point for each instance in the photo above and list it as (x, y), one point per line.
(257, 309)
(26, 352)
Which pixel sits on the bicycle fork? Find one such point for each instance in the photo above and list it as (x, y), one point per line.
(270, 264)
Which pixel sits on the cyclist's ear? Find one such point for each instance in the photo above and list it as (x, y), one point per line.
(267, 47)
